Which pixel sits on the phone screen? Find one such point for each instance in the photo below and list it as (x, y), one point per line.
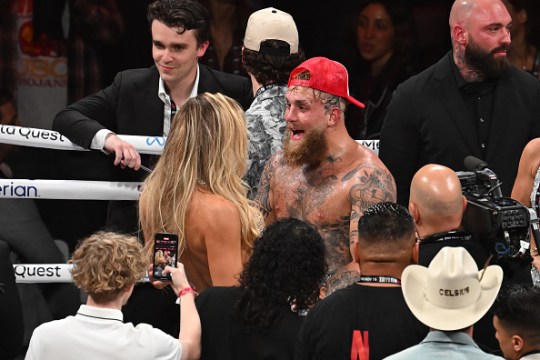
(165, 253)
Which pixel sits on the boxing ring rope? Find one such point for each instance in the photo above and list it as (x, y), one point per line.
(151, 145)
(69, 189)
(46, 273)
(74, 189)
(32, 137)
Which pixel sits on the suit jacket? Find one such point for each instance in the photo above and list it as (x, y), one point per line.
(131, 106)
(427, 123)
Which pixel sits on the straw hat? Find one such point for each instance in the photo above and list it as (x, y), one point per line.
(451, 293)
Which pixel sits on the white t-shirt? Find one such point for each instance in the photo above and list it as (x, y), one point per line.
(99, 333)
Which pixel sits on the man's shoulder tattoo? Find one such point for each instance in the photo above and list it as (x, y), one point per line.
(372, 184)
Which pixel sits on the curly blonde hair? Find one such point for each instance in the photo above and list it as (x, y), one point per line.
(208, 145)
(105, 263)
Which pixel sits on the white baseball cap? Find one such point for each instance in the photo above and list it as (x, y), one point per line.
(271, 24)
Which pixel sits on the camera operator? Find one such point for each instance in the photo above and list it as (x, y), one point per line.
(436, 201)
(437, 205)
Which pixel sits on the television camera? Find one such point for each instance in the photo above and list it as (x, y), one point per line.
(500, 223)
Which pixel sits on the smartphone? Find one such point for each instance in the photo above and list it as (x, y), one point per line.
(165, 253)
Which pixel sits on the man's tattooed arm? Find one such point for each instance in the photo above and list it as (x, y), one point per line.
(345, 272)
(340, 280)
(264, 192)
(335, 239)
(372, 185)
(353, 232)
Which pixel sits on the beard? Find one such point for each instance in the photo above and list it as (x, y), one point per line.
(309, 152)
(485, 61)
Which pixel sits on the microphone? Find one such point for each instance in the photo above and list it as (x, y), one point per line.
(487, 176)
(473, 163)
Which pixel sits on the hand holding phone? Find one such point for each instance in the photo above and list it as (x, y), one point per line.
(179, 279)
(165, 254)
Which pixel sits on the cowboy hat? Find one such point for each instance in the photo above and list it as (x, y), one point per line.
(451, 293)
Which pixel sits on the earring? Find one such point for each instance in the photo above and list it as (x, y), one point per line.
(292, 302)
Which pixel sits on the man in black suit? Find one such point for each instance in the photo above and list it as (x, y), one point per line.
(472, 102)
(144, 101)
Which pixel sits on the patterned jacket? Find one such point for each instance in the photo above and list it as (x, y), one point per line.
(266, 125)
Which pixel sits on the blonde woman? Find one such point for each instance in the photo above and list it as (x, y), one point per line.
(196, 191)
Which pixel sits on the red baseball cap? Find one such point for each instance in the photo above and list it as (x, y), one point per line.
(324, 75)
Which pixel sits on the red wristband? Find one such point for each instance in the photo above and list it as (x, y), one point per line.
(188, 290)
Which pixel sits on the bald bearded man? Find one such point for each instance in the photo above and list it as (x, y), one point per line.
(437, 205)
(472, 102)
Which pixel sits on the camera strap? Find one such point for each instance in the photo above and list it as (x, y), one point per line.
(379, 279)
(459, 235)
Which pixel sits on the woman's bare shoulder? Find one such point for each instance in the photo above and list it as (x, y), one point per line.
(533, 146)
(209, 205)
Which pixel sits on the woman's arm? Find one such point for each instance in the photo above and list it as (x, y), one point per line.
(523, 186)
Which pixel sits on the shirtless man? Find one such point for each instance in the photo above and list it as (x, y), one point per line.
(322, 175)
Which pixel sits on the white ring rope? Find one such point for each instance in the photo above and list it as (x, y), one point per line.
(69, 189)
(24, 136)
(46, 273)
(152, 145)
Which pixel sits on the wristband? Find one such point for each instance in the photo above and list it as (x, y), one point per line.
(187, 290)
(534, 251)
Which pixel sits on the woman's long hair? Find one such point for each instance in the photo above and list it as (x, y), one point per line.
(286, 269)
(207, 147)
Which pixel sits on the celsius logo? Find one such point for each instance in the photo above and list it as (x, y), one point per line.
(12, 190)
